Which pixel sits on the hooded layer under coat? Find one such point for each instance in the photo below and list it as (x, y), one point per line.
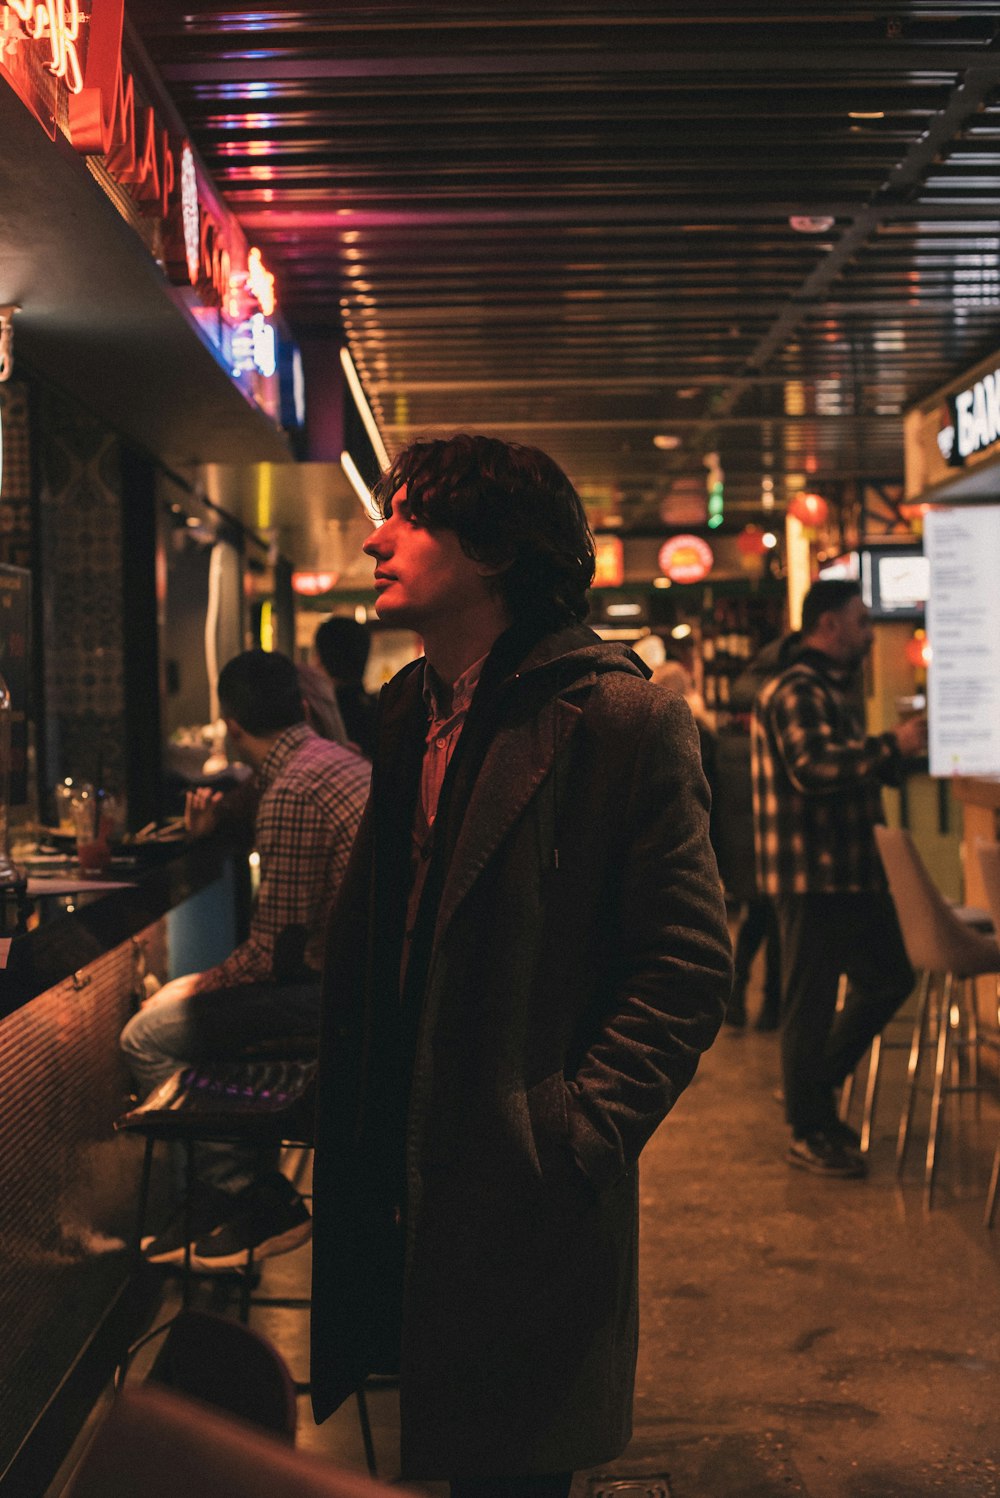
(569, 964)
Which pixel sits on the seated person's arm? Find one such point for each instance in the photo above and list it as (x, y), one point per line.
(293, 844)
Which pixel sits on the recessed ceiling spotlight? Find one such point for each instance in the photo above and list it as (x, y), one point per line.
(866, 114)
(666, 441)
(811, 223)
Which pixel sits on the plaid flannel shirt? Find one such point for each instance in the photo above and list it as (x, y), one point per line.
(816, 783)
(312, 794)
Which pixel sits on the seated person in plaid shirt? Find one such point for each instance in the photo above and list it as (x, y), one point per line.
(817, 797)
(311, 793)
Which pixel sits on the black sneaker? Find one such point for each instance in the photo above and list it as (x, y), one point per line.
(270, 1218)
(844, 1135)
(209, 1207)
(826, 1156)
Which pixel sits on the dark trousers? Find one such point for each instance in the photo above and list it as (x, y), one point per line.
(823, 936)
(758, 925)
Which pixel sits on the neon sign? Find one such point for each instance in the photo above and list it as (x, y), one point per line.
(261, 282)
(190, 213)
(102, 116)
(685, 559)
(312, 584)
(254, 347)
(57, 26)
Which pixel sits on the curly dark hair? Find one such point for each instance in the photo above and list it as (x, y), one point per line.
(511, 507)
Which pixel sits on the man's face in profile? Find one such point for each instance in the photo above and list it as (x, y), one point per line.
(422, 575)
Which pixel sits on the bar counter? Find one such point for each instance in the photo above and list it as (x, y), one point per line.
(69, 1301)
(160, 879)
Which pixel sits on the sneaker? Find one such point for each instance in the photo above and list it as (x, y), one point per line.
(845, 1135)
(270, 1218)
(825, 1156)
(209, 1207)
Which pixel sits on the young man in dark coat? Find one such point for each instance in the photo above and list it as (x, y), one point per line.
(528, 956)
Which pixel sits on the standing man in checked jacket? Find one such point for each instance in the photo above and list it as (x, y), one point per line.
(817, 798)
(528, 955)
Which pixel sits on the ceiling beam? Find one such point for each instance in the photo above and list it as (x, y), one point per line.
(921, 63)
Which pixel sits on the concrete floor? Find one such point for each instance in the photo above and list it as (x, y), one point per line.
(830, 1339)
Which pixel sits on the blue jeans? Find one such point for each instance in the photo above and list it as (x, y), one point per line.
(217, 1025)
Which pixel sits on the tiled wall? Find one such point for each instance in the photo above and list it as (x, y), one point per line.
(68, 1183)
(84, 630)
(15, 491)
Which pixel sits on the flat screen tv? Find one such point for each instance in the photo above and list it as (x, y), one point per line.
(895, 580)
(894, 577)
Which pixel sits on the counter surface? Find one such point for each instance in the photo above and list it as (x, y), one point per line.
(65, 940)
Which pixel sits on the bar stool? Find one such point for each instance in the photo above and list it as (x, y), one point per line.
(266, 1100)
(947, 952)
(988, 854)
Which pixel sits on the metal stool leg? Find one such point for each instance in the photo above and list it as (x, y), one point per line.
(366, 1430)
(140, 1216)
(871, 1092)
(991, 1196)
(972, 1038)
(847, 1086)
(937, 1096)
(189, 1182)
(912, 1069)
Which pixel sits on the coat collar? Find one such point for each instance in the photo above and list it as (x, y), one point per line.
(517, 763)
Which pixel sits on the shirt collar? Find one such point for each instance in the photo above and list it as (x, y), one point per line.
(461, 693)
(281, 751)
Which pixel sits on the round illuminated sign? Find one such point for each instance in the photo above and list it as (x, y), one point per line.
(311, 584)
(685, 559)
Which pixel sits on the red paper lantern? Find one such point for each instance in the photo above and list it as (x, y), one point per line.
(918, 649)
(751, 542)
(811, 509)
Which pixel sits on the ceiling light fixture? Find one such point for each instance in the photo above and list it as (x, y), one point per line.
(360, 488)
(364, 409)
(7, 339)
(666, 441)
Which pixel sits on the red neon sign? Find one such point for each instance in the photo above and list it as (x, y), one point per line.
(685, 559)
(58, 26)
(102, 116)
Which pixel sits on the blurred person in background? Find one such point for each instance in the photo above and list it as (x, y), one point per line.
(341, 646)
(310, 793)
(817, 778)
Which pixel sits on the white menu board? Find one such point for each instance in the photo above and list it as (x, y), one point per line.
(963, 626)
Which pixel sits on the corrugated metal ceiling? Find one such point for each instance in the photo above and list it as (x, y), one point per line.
(569, 223)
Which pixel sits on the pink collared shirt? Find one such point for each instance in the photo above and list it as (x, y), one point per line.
(443, 733)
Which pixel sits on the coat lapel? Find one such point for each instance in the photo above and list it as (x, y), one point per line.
(516, 764)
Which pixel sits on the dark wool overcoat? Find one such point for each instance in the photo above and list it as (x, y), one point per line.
(569, 963)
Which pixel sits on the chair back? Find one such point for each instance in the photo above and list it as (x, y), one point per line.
(156, 1444)
(229, 1366)
(936, 939)
(988, 853)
